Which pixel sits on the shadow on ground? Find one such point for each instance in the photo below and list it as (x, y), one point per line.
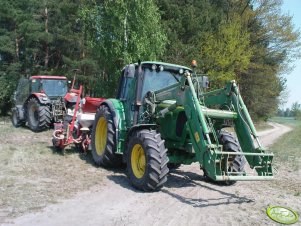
(177, 179)
(180, 179)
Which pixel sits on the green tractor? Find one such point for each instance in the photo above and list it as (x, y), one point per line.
(163, 117)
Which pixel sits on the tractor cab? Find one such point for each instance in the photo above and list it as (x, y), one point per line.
(52, 86)
(139, 82)
(153, 76)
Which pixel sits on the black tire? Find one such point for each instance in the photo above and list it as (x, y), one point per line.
(38, 115)
(147, 171)
(173, 166)
(236, 163)
(15, 118)
(231, 144)
(104, 139)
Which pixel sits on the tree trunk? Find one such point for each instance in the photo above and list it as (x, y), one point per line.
(46, 60)
(17, 46)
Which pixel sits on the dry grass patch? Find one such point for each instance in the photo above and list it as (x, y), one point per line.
(32, 174)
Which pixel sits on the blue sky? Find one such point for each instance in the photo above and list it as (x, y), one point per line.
(293, 7)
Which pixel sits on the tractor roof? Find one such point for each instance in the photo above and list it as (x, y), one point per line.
(175, 66)
(56, 77)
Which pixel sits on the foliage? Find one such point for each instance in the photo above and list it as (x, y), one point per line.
(250, 41)
(294, 111)
(122, 32)
(275, 43)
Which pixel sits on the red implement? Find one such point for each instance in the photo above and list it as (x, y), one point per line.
(77, 130)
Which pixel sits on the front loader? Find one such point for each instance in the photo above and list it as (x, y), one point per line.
(163, 116)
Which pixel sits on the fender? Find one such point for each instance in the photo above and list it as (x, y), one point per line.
(42, 97)
(20, 112)
(140, 127)
(117, 109)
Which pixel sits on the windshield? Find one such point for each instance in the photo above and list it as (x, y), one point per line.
(155, 80)
(54, 88)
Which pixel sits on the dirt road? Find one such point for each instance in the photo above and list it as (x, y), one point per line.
(186, 199)
(268, 137)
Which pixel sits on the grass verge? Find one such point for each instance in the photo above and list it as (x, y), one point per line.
(287, 157)
(288, 147)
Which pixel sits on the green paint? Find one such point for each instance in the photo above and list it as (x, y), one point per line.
(121, 122)
(188, 121)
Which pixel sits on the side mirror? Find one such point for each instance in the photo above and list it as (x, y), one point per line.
(206, 83)
(130, 71)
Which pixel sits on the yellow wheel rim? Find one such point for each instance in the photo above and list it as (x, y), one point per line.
(138, 161)
(101, 135)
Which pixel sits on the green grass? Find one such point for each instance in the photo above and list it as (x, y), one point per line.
(290, 121)
(287, 159)
(288, 147)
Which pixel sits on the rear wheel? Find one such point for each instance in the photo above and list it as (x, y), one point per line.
(38, 115)
(147, 160)
(103, 139)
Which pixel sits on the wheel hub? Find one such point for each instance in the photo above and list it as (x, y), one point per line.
(138, 161)
(101, 135)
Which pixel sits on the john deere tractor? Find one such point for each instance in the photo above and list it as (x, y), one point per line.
(164, 116)
(41, 100)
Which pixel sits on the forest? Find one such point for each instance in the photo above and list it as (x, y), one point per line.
(251, 41)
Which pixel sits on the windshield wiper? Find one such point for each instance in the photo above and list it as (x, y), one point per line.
(175, 77)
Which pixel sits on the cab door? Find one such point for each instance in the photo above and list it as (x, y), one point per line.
(22, 92)
(126, 91)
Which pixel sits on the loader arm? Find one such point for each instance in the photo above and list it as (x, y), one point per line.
(203, 134)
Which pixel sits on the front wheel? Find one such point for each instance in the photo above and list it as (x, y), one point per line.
(103, 139)
(147, 160)
(235, 163)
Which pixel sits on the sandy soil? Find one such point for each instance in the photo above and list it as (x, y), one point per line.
(186, 199)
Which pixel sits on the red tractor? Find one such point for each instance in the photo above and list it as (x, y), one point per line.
(41, 100)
